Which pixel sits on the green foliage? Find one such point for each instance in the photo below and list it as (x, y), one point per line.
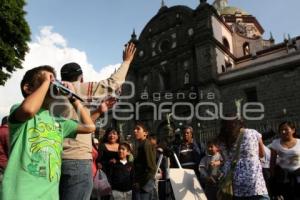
(14, 35)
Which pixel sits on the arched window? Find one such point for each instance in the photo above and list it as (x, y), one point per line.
(186, 78)
(165, 45)
(223, 68)
(246, 49)
(226, 43)
(228, 64)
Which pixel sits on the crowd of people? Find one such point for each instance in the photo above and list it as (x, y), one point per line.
(259, 171)
(50, 152)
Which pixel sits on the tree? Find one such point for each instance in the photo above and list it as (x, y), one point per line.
(14, 35)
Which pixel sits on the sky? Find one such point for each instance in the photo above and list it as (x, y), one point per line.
(93, 32)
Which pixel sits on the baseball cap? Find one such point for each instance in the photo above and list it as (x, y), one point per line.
(70, 70)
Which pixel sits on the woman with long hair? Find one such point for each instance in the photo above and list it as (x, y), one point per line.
(108, 152)
(248, 181)
(108, 148)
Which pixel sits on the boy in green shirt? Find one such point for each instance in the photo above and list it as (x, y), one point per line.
(36, 138)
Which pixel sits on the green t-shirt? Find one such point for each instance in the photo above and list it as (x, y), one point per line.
(34, 165)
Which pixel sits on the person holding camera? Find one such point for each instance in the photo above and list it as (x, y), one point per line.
(76, 180)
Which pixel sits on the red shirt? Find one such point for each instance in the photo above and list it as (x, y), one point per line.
(3, 146)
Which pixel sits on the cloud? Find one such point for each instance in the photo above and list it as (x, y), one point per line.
(49, 48)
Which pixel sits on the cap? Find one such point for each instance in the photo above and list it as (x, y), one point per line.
(70, 71)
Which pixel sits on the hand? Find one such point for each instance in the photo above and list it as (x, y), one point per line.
(215, 163)
(112, 161)
(129, 52)
(107, 104)
(48, 76)
(69, 85)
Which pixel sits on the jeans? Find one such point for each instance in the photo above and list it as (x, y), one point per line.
(146, 192)
(76, 180)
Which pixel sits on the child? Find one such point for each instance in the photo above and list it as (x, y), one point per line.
(209, 168)
(36, 137)
(144, 164)
(121, 174)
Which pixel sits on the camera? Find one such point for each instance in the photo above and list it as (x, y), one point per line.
(59, 88)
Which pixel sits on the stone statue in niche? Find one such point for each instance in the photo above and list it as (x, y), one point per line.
(186, 78)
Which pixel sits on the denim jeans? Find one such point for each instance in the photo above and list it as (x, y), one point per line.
(76, 180)
(147, 192)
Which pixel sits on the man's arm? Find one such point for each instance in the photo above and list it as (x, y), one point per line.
(87, 125)
(261, 150)
(115, 81)
(103, 107)
(34, 101)
(105, 87)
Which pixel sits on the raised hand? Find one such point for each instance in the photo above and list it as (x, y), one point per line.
(129, 52)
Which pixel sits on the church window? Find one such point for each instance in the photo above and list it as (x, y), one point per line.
(228, 65)
(251, 94)
(246, 49)
(165, 45)
(223, 68)
(226, 43)
(186, 65)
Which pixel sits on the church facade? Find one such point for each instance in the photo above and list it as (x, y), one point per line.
(194, 66)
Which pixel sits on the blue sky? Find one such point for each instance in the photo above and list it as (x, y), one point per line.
(101, 27)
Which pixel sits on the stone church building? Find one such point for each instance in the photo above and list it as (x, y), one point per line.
(193, 66)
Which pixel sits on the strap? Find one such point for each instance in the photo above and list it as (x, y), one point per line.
(237, 151)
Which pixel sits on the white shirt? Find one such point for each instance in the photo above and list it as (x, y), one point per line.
(288, 159)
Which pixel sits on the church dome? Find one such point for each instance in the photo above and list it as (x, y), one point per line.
(230, 10)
